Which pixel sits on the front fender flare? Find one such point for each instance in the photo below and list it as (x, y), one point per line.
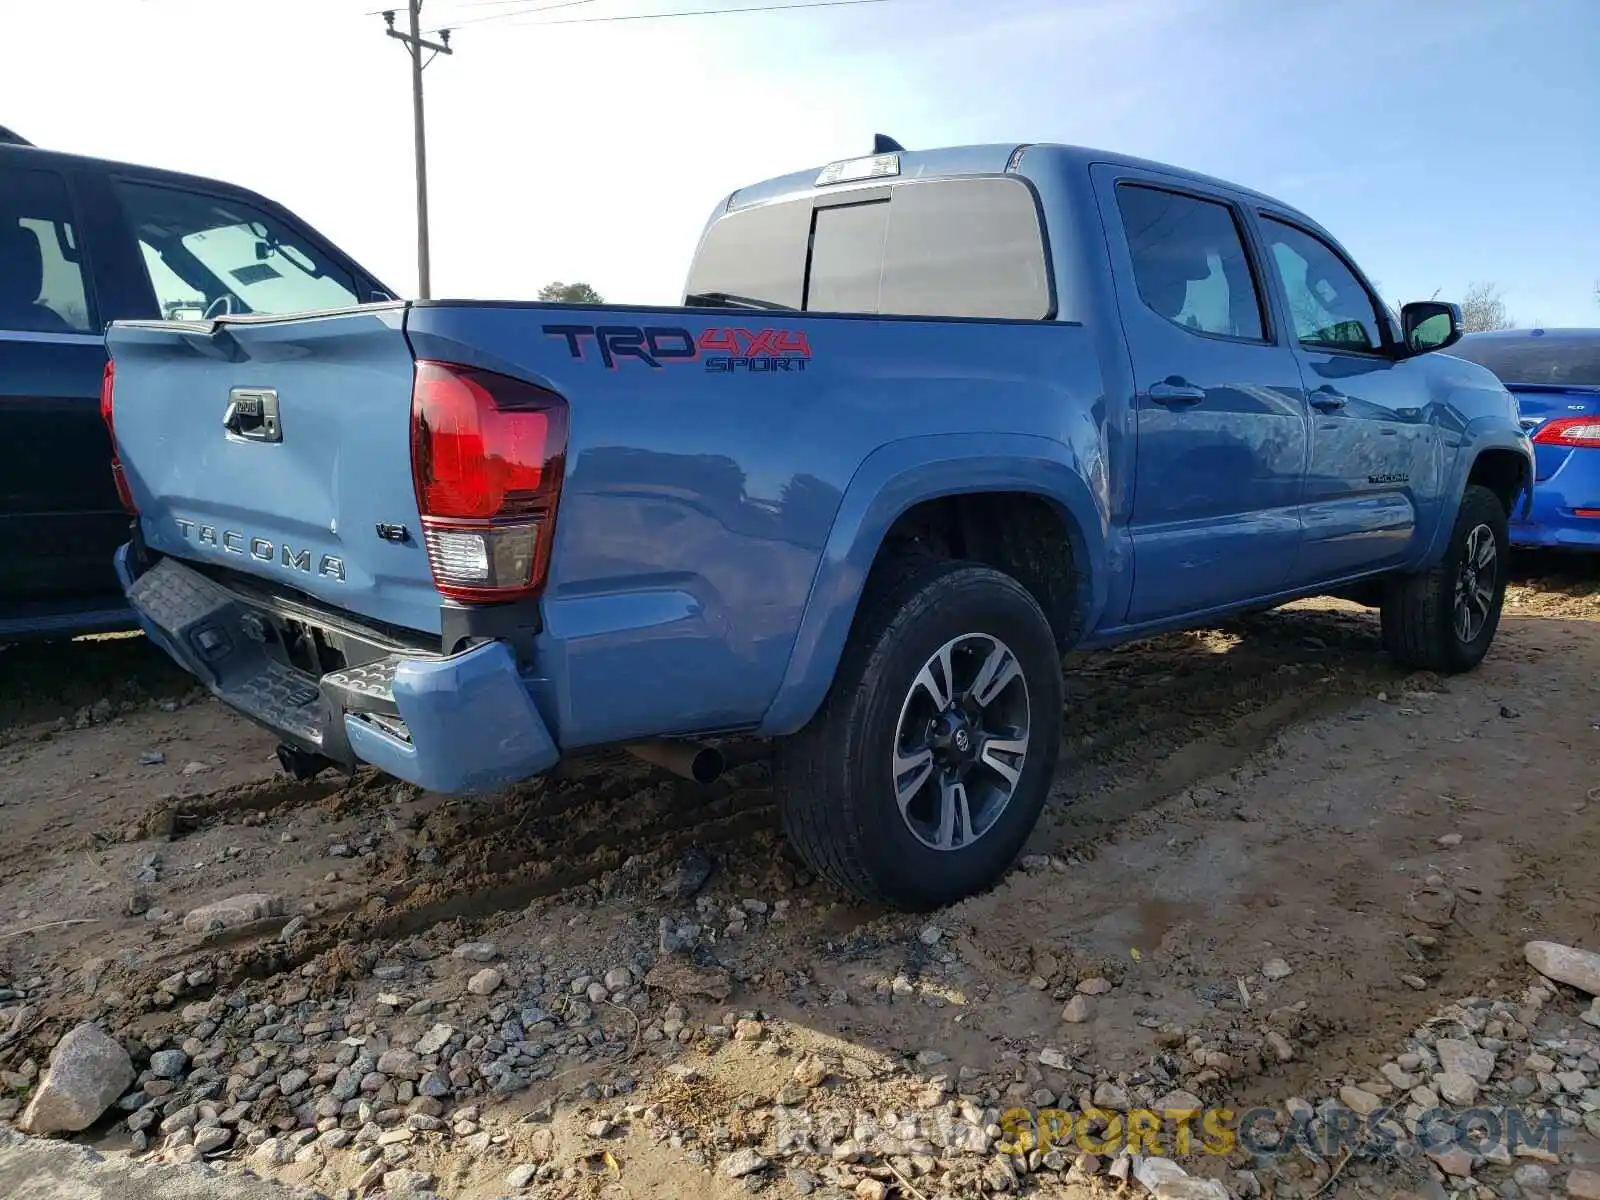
(893, 479)
(1480, 435)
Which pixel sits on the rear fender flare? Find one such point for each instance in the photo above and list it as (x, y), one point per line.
(895, 478)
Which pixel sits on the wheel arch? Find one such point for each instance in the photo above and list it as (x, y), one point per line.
(947, 486)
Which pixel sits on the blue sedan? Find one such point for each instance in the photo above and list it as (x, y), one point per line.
(1555, 376)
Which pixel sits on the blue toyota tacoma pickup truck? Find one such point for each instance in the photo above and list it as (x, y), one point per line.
(924, 422)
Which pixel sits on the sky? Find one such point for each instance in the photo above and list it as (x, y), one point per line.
(1442, 141)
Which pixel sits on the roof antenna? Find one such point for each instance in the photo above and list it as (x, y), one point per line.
(882, 143)
(11, 138)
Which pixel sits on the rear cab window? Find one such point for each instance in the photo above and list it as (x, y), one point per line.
(209, 256)
(957, 247)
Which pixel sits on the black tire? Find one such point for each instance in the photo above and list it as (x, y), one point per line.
(1419, 611)
(835, 778)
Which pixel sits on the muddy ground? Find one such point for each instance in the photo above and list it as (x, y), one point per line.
(1271, 789)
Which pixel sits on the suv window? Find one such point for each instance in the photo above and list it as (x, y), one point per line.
(1189, 262)
(208, 256)
(1331, 308)
(933, 248)
(42, 284)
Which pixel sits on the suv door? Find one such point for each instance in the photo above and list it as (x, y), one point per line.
(1373, 446)
(59, 513)
(1219, 408)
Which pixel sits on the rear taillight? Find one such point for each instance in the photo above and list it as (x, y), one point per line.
(108, 382)
(1569, 431)
(487, 454)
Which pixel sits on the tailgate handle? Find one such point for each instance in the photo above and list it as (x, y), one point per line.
(253, 415)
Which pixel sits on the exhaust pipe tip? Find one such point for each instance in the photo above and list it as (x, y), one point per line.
(688, 760)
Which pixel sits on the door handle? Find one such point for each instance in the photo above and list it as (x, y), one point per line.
(1327, 400)
(1175, 391)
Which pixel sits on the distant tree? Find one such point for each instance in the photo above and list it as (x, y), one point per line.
(1482, 307)
(570, 293)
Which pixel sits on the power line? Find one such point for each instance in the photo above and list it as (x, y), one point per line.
(703, 12)
(530, 10)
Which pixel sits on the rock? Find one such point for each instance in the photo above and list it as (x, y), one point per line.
(1564, 964)
(1591, 1015)
(1190, 1188)
(88, 1070)
(618, 978)
(397, 1062)
(434, 1040)
(693, 870)
(801, 1181)
(1077, 1010)
(480, 952)
(1572, 1081)
(1178, 1101)
(601, 1128)
(168, 1064)
(679, 978)
(406, 1182)
(1281, 1049)
(748, 1031)
(232, 913)
(1110, 1096)
(1532, 1177)
(208, 1141)
(1053, 1058)
(196, 768)
(872, 1189)
(274, 1152)
(1359, 1100)
(1154, 1171)
(152, 758)
(1457, 1088)
(811, 1071)
(1468, 1058)
(743, 1162)
(1583, 1184)
(484, 982)
(596, 993)
(1453, 1160)
(1415, 982)
(520, 1177)
(1275, 969)
(930, 935)
(1450, 839)
(1094, 986)
(1432, 906)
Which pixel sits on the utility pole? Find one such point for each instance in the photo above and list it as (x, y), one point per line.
(415, 44)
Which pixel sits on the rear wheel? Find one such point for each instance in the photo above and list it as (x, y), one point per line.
(1445, 618)
(923, 773)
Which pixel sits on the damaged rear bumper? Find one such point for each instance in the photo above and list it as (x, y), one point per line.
(448, 723)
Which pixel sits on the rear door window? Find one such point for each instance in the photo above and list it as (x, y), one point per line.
(209, 256)
(43, 284)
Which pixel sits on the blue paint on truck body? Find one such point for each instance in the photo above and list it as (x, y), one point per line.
(716, 527)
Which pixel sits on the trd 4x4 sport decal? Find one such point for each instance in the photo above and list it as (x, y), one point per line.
(722, 350)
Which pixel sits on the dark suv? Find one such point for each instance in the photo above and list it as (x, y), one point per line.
(84, 242)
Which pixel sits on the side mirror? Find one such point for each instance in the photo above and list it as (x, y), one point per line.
(1430, 325)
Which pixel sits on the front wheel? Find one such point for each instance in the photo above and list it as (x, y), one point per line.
(923, 773)
(1445, 618)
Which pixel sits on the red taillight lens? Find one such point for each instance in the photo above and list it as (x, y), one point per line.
(1569, 431)
(108, 383)
(487, 454)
